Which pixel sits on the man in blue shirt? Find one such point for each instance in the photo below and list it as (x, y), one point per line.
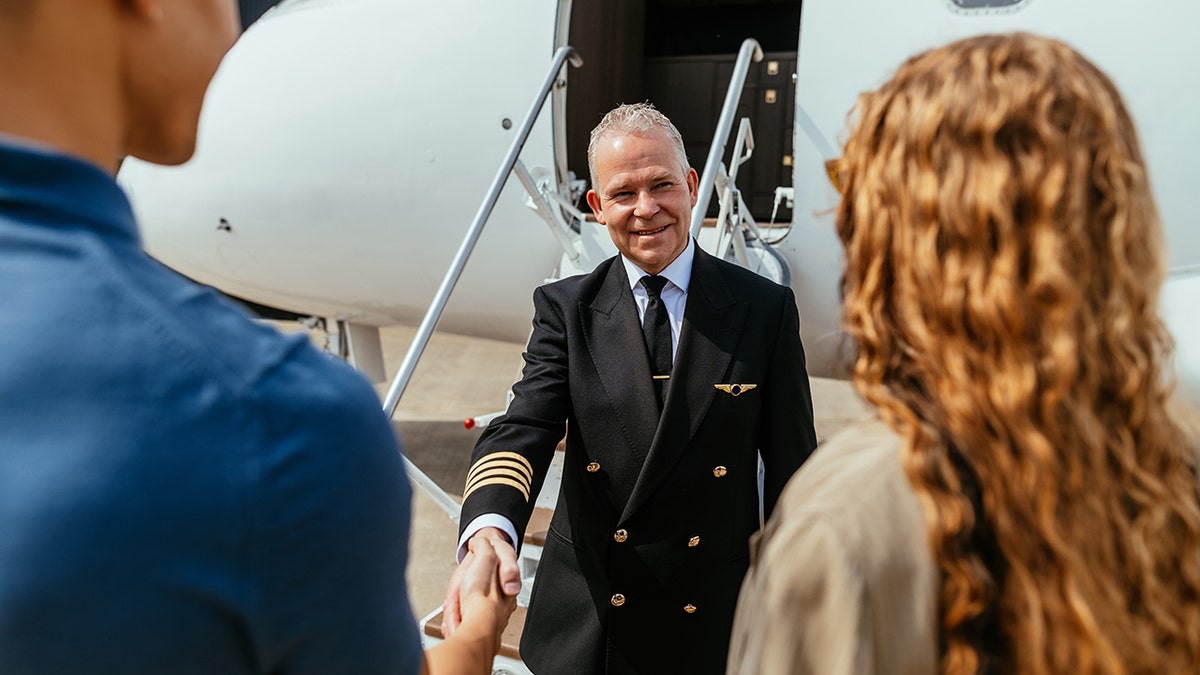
(181, 490)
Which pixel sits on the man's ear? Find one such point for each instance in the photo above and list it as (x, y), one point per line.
(693, 183)
(593, 201)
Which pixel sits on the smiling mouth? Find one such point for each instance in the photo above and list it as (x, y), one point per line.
(650, 233)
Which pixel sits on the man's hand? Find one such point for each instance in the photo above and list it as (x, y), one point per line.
(481, 610)
(490, 566)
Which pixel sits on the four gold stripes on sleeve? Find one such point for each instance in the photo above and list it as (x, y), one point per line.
(500, 468)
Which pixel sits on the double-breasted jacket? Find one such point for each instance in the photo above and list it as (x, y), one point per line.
(648, 544)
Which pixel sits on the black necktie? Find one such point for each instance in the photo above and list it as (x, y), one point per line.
(656, 328)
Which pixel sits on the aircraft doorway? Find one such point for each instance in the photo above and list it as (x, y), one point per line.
(679, 55)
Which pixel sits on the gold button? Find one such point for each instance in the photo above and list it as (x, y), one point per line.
(689, 608)
(693, 542)
(618, 600)
(620, 536)
(720, 472)
(593, 467)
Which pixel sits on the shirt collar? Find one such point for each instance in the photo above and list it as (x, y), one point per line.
(45, 180)
(679, 272)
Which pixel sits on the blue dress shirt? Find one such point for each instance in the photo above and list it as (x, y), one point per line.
(181, 490)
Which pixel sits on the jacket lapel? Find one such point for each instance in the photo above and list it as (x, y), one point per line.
(614, 341)
(712, 324)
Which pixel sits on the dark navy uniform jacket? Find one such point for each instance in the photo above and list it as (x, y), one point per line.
(649, 540)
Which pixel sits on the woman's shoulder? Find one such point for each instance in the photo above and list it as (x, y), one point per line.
(851, 466)
(854, 488)
(842, 580)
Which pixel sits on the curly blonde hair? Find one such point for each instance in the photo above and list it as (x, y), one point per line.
(1003, 264)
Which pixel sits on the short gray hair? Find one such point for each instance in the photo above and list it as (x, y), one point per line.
(634, 118)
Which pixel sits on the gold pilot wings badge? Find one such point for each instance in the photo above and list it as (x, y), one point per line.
(734, 389)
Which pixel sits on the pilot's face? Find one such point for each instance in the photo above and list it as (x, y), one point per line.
(644, 196)
(170, 60)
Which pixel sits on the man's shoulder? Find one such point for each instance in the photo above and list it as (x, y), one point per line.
(209, 331)
(220, 342)
(742, 282)
(291, 389)
(580, 287)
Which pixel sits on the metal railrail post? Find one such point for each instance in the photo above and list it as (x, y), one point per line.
(750, 51)
(400, 382)
(434, 313)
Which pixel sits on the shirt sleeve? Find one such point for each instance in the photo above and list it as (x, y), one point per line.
(486, 520)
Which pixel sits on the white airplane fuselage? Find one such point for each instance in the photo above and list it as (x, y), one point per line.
(343, 150)
(345, 147)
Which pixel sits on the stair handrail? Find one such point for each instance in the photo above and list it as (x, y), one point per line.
(750, 51)
(731, 218)
(454, 272)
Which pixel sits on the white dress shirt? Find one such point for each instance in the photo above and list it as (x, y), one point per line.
(674, 294)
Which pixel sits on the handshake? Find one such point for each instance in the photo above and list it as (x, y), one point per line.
(480, 598)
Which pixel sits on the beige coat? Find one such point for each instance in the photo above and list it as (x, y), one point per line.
(842, 581)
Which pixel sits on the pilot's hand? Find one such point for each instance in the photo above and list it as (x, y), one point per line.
(480, 592)
(490, 567)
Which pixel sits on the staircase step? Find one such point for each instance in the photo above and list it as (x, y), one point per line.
(538, 527)
(510, 641)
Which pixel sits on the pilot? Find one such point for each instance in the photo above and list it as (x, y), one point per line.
(181, 490)
(670, 372)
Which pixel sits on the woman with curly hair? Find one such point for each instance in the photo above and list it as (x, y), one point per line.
(1025, 501)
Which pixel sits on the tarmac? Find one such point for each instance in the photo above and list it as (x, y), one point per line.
(460, 377)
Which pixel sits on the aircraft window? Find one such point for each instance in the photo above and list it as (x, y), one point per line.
(985, 5)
